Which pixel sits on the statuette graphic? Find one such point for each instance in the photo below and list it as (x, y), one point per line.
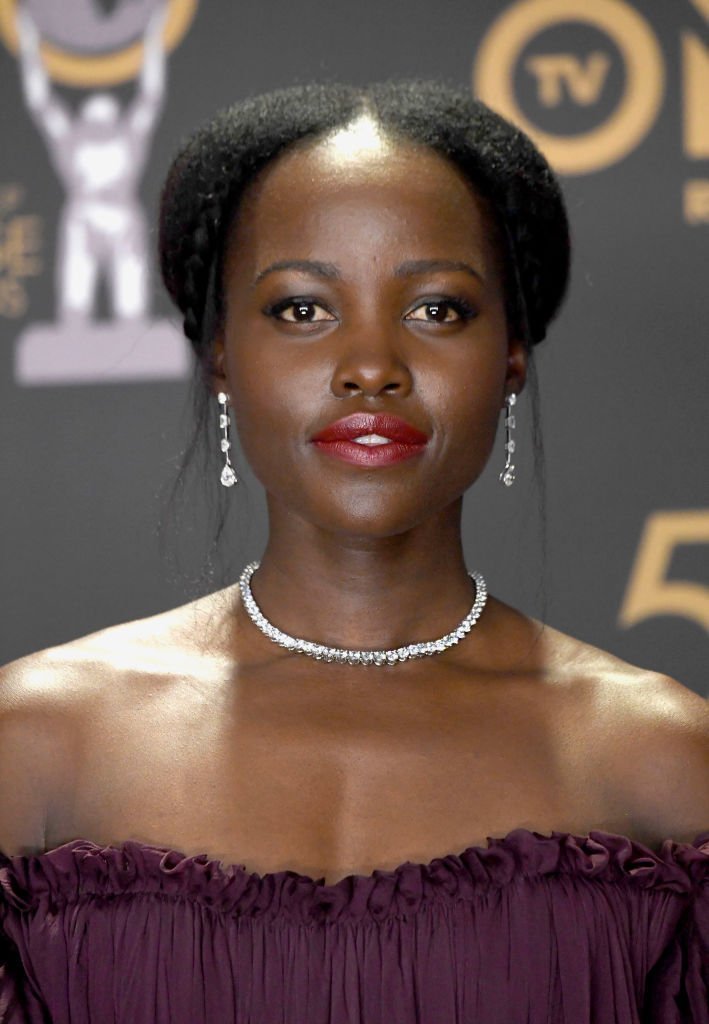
(99, 151)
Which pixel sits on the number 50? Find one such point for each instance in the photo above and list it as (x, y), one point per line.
(649, 593)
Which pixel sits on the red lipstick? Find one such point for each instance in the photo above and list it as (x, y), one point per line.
(383, 439)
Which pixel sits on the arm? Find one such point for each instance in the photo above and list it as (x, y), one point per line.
(668, 766)
(37, 741)
(32, 749)
(665, 765)
(49, 114)
(22, 797)
(151, 87)
(675, 794)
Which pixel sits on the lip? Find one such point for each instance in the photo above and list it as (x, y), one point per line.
(339, 439)
(358, 424)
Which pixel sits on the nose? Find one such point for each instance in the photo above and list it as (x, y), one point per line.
(370, 365)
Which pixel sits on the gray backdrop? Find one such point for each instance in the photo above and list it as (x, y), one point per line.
(619, 103)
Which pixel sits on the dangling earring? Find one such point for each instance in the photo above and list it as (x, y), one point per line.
(228, 476)
(507, 476)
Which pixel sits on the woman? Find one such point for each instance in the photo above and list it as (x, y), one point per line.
(251, 808)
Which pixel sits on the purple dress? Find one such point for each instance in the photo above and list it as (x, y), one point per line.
(535, 929)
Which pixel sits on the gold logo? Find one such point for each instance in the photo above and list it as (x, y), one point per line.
(695, 87)
(637, 108)
(97, 70)
(649, 592)
(584, 82)
(696, 201)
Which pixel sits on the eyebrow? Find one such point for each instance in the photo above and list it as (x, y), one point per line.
(427, 266)
(330, 272)
(316, 267)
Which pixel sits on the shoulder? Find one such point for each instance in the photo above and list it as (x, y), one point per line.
(50, 699)
(171, 643)
(653, 736)
(36, 739)
(662, 759)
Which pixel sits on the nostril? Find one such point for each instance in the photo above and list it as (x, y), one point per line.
(351, 386)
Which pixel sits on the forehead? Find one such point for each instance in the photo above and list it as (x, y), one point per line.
(360, 194)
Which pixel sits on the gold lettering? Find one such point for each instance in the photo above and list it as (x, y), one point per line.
(696, 201)
(695, 87)
(649, 593)
(13, 297)
(583, 82)
(10, 197)
(19, 244)
(702, 7)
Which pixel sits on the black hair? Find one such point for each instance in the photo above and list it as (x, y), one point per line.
(214, 166)
(209, 174)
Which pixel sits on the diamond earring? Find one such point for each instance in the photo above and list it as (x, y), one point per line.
(228, 476)
(507, 476)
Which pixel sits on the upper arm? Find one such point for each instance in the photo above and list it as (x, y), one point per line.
(667, 760)
(35, 751)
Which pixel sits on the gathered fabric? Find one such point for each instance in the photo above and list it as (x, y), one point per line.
(533, 929)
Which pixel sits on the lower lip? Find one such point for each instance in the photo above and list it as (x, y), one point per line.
(369, 455)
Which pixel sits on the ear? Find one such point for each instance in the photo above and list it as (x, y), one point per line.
(215, 368)
(517, 358)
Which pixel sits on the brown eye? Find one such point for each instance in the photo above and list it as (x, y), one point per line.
(442, 312)
(300, 311)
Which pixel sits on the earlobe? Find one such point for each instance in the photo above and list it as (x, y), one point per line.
(517, 358)
(215, 366)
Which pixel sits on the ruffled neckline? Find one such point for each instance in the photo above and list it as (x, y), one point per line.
(82, 868)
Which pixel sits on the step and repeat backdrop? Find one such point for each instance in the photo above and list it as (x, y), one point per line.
(95, 401)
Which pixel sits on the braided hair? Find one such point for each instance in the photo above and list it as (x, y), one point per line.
(209, 174)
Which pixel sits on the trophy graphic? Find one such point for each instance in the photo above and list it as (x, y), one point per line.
(99, 152)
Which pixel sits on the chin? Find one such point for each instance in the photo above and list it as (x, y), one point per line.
(372, 519)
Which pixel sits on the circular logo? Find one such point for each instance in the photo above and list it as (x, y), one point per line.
(82, 47)
(629, 41)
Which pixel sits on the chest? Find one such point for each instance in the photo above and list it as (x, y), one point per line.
(328, 781)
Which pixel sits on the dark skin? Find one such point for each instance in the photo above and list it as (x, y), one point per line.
(192, 730)
(360, 557)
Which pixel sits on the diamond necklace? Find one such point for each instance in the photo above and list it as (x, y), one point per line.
(347, 657)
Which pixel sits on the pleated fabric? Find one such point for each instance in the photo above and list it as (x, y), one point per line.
(534, 929)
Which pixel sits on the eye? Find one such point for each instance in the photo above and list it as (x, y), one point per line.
(299, 311)
(441, 311)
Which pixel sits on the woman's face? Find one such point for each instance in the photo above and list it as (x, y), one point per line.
(361, 276)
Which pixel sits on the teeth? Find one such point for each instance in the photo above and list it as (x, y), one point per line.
(372, 439)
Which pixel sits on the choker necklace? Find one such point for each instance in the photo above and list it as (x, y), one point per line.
(347, 657)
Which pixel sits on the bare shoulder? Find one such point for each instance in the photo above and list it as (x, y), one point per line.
(49, 698)
(654, 734)
(652, 695)
(171, 643)
(36, 740)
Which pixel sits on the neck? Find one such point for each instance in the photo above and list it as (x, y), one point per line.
(364, 592)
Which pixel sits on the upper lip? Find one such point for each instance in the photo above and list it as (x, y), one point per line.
(358, 424)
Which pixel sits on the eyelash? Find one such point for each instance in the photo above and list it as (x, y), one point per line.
(460, 306)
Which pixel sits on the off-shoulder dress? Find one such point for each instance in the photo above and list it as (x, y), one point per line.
(534, 929)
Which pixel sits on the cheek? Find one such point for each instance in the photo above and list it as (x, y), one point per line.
(275, 402)
(468, 403)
